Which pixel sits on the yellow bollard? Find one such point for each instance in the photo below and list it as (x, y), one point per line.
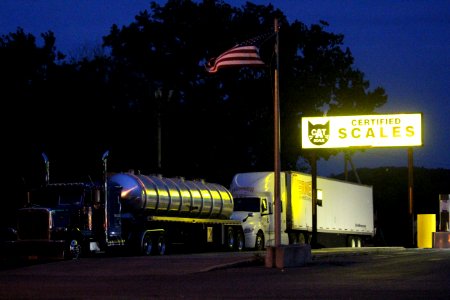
(426, 225)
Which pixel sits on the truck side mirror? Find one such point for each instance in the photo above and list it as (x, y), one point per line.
(265, 208)
(250, 214)
(263, 205)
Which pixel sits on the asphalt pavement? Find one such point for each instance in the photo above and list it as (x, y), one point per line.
(249, 258)
(333, 273)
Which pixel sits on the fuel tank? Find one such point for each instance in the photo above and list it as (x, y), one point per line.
(159, 196)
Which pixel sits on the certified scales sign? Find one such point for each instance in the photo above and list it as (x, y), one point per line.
(392, 130)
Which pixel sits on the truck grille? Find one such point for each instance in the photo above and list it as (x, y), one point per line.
(33, 224)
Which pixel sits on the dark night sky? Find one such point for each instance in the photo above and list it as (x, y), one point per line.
(402, 46)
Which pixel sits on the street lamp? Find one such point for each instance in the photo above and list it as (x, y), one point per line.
(158, 96)
(159, 105)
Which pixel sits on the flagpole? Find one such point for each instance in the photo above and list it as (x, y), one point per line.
(277, 146)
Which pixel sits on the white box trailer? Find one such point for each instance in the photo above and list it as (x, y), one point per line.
(344, 210)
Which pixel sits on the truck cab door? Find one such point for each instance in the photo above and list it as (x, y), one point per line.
(267, 222)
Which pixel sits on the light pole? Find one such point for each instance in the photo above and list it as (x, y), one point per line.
(277, 163)
(158, 96)
(105, 187)
(159, 105)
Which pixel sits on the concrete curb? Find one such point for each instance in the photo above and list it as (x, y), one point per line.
(353, 251)
(256, 260)
(259, 258)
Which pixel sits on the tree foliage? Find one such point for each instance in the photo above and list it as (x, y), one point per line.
(212, 125)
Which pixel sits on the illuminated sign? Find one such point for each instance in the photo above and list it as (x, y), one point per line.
(392, 130)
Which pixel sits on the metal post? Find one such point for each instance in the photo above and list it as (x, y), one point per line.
(158, 96)
(345, 166)
(105, 186)
(410, 193)
(314, 198)
(47, 168)
(159, 141)
(277, 147)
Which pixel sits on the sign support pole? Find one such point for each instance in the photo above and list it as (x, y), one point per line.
(314, 198)
(410, 193)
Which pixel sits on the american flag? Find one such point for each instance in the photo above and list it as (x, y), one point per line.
(243, 54)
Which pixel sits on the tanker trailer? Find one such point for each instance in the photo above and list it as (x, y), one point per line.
(160, 214)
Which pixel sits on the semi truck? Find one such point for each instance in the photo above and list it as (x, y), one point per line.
(128, 212)
(344, 210)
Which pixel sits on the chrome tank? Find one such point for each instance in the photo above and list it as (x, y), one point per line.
(161, 196)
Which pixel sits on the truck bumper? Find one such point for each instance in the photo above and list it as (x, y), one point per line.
(250, 240)
(34, 249)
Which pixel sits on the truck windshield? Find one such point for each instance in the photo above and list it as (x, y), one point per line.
(55, 196)
(251, 204)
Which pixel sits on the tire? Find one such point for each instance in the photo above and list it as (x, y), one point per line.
(359, 242)
(230, 238)
(259, 243)
(353, 242)
(239, 241)
(307, 237)
(146, 244)
(74, 250)
(294, 238)
(160, 245)
(302, 239)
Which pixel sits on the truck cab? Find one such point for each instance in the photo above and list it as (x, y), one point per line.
(64, 220)
(256, 215)
(254, 205)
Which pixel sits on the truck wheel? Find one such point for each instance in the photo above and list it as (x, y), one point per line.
(354, 242)
(74, 250)
(230, 238)
(160, 245)
(146, 244)
(259, 244)
(299, 239)
(293, 238)
(240, 240)
(307, 237)
(359, 243)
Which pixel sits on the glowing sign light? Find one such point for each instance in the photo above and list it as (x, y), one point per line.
(392, 130)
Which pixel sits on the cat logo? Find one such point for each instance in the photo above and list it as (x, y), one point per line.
(319, 133)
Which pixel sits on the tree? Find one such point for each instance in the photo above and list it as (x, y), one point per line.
(319, 79)
(153, 69)
(231, 112)
(24, 74)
